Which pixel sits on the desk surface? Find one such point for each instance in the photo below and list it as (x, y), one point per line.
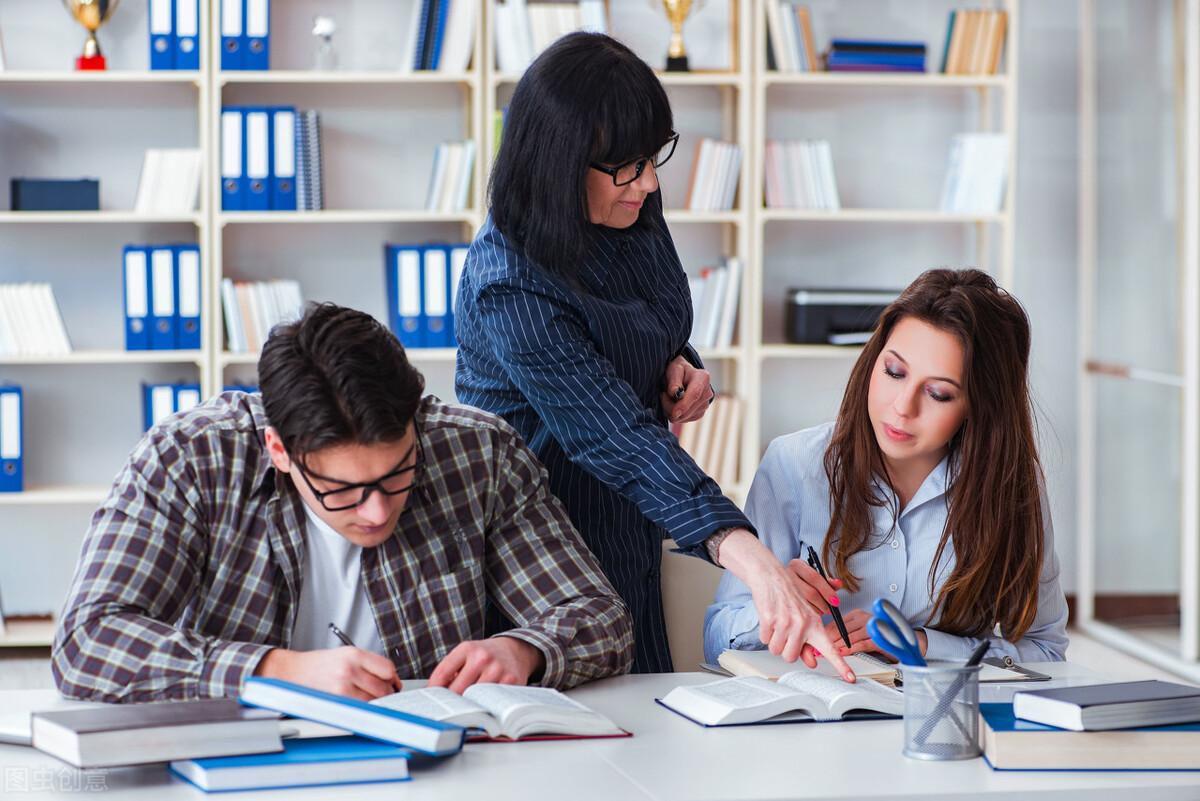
(668, 757)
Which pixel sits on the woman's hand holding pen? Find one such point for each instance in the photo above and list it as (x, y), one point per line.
(819, 592)
(687, 391)
(860, 639)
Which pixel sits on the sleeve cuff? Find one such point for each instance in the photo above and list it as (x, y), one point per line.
(692, 356)
(947, 646)
(227, 666)
(555, 655)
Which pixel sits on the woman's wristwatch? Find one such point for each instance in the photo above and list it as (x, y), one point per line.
(713, 543)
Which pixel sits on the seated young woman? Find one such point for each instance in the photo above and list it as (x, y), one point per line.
(927, 489)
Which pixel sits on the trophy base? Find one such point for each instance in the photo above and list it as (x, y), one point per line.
(90, 63)
(677, 63)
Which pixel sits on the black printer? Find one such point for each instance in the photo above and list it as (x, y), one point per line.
(834, 316)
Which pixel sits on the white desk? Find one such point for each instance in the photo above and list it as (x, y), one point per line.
(668, 757)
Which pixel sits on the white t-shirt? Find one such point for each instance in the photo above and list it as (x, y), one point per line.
(332, 592)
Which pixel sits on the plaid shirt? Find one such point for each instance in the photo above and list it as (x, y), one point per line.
(190, 572)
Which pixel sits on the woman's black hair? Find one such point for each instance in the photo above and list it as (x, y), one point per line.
(587, 98)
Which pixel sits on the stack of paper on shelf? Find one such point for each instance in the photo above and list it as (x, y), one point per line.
(714, 440)
(30, 323)
(715, 294)
(974, 42)
(977, 175)
(170, 182)
(790, 41)
(253, 308)
(714, 179)
(450, 181)
(799, 175)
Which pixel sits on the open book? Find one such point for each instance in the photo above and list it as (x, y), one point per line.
(798, 696)
(769, 666)
(504, 710)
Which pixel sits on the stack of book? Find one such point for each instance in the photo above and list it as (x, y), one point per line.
(713, 441)
(310, 185)
(875, 55)
(799, 175)
(977, 174)
(524, 29)
(714, 180)
(253, 308)
(790, 42)
(450, 181)
(974, 42)
(30, 323)
(715, 304)
(259, 157)
(160, 401)
(170, 182)
(441, 35)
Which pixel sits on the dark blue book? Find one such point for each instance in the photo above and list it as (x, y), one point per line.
(839, 58)
(1010, 743)
(301, 763)
(877, 45)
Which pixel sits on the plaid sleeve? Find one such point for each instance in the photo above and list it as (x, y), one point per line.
(546, 580)
(119, 637)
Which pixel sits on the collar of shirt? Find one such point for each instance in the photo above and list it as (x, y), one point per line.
(932, 488)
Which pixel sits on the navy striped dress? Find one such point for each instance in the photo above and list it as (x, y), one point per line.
(578, 371)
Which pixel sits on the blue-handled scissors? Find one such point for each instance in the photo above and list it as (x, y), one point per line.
(891, 632)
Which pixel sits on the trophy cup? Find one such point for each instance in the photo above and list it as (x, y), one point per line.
(91, 14)
(677, 11)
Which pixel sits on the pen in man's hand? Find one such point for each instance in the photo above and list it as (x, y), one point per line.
(815, 563)
(341, 635)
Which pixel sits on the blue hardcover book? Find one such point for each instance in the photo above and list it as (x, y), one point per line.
(12, 460)
(404, 295)
(283, 159)
(875, 44)
(435, 292)
(458, 260)
(233, 164)
(256, 159)
(256, 48)
(1010, 743)
(302, 763)
(136, 269)
(838, 58)
(439, 33)
(187, 34)
(424, 28)
(368, 720)
(162, 34)
(164, 299)
(949, 36)
(187, 279)
(233, 16)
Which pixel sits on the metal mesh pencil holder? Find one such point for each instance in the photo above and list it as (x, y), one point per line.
(941, 712)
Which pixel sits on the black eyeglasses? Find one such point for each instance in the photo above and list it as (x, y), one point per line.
(397, 482)
(630, 171)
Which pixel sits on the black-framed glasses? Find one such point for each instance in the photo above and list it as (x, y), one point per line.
(399, 481)
(630, 171)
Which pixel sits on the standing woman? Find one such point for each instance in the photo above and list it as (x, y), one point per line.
(573, 316)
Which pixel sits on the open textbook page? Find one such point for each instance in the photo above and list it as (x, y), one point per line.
(796, 696)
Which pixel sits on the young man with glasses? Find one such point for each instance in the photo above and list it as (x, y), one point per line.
(340, 531)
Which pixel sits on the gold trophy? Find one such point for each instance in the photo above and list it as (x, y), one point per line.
(91, 14)
(677, 11)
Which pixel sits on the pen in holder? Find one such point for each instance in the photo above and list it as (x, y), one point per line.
(941, 711)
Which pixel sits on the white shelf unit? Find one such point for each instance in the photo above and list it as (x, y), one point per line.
(780, 93)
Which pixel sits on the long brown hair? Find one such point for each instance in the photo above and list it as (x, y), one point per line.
(994, 498)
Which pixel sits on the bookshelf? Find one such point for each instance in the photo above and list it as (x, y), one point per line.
(380, 129)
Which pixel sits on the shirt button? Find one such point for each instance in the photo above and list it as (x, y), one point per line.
(895, 543)
(893, 587)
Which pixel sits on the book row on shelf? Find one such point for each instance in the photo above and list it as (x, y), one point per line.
(253, 308)
(714, 178)
(524, 29)
(715, 292)
(977, 175)
(270, 159)
(974, 45)
(714, 440)
(450, 182)
(162, 297)
(799, 175)
(30, 322)
(441, 35)
(170, 181)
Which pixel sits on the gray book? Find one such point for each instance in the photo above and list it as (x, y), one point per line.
(1100, 707)
(134, 734)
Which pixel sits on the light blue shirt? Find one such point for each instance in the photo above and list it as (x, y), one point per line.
(789, 503)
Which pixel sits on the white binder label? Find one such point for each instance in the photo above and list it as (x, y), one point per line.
(187, 16)
(231, 17)
(10, 425)
(257, 18)
(285, 144)
(189, 283)
(136, 302)
(160, 17)
(188, 398)
(231, 144)
(257, 157)
(162, 403)
(408, 300)
(162, 263)
(458, 260)
(435, 283)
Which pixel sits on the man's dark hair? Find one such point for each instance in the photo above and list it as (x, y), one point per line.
(337, 376)
(587, 98)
